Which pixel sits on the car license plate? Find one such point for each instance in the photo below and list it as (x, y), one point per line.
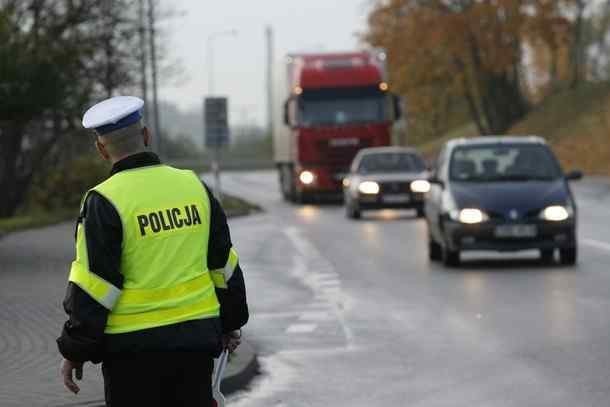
(396, 198)
(515, 231)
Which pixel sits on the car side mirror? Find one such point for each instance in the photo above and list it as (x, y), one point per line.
(287, 113)
(574, 175)
(396, 102)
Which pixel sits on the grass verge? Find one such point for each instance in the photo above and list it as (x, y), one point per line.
(575, 122)
(35, 220)
(431, 148)
(232, 205)
(235, 206)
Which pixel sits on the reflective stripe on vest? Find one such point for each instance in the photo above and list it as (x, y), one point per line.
(99, 289)
(165, 215)
(222, 276)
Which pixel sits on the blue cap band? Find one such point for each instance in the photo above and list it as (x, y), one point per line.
(124, 122)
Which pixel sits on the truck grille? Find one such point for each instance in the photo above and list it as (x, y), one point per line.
(340, 151)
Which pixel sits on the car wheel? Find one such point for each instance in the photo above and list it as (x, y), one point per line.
(451, 258)
(352, 212)
(435, 251)
(420, 213)
(546, 255)
(568, 256)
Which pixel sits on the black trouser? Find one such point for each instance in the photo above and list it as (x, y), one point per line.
(169, 379)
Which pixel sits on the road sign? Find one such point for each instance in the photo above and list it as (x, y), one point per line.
(216, 122)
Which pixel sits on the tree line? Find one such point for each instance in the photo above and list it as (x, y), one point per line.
(490, 60)
(56, 57)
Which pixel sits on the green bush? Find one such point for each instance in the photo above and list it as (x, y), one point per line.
(63, 186)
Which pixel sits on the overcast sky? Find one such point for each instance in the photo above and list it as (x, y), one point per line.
(239, 61)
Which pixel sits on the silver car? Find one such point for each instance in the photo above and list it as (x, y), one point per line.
(386, 177)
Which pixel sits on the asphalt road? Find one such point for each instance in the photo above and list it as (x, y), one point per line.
(351, 313)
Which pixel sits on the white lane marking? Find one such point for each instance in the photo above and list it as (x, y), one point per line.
(597, 244)
(273, 315)
(329, 283)
(301, 328)
(322, 278)
(320, 306)
(315, 316)
(311, 267)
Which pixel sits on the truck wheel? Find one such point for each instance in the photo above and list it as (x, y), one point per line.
(287, 183)
(568, 256)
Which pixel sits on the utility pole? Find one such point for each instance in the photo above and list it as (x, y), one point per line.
(153, 56)
(143, 56)
(270, 56)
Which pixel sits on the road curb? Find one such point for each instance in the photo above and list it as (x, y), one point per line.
(242, 368)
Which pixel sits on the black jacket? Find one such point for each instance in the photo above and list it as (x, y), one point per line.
(83, 339)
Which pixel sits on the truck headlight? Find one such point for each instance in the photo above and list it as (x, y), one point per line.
(369, 187)
(556, 213)
(307, 177)
(421, 186)
(469, 216)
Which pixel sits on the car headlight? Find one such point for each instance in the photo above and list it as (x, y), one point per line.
(369, 187)
(556, 213)
(421, 186)
(469, 216)
(306, 177)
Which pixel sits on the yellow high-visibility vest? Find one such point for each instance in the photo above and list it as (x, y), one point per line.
(165, 215)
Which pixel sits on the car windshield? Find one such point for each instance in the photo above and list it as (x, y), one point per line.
(517, 162)
(390, 162)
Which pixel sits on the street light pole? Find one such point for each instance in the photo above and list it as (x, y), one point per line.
(153, 60)
(210, 66)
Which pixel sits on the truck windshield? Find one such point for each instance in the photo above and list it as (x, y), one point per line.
(323, 108)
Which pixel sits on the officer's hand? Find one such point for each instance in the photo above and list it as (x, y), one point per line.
(231, 340)
(67, 367)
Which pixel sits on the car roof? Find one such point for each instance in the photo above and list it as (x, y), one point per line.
(388, 149)
(487, 140)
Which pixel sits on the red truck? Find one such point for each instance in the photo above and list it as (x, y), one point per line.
(336, 104)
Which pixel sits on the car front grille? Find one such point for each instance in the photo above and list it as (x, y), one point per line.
(395, 187)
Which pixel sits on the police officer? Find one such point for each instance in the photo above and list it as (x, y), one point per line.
(156, 289)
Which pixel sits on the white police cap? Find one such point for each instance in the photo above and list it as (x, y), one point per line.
(113, 114)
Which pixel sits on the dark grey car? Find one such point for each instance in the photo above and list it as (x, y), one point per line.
(385, 177)
(500, 194)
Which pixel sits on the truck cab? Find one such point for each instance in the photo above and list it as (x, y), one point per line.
(336, 104)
